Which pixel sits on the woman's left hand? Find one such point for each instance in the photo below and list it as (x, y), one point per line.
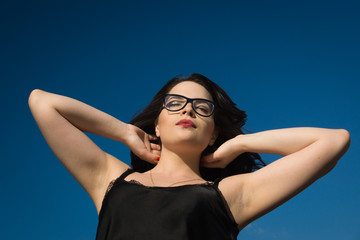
(224, 155)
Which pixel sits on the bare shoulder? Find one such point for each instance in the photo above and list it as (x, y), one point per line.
(231, 186)
(232, 189)
(115, 168)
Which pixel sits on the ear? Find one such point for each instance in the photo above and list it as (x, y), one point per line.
(213, 137)
(157, 132)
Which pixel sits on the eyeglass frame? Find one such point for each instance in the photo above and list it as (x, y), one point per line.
(190, 100)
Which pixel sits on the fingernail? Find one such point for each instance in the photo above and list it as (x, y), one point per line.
(158, 158)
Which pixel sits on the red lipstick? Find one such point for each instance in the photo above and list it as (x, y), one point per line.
(186, 123)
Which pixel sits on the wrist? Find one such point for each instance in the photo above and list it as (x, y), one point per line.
(124, 132)
(239, 144)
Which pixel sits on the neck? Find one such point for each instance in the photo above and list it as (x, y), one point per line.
(178, 165)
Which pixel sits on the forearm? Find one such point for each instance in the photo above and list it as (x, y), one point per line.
(287, 141)
(80, 115)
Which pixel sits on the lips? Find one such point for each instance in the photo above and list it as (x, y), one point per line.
(186, 123)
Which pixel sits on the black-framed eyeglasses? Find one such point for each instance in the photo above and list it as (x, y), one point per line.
(175, 102)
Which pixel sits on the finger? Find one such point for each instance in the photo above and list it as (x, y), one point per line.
(150, 157)
(155, 146)
(208, 158)
(157, 153)
(153, 137)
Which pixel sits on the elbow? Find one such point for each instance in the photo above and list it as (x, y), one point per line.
(35, 98)
(33, 95)
(341, 141)
(344, 139)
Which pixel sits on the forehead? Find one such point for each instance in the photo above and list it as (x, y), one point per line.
(191, 90)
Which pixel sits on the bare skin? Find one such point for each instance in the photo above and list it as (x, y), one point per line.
(309, 153)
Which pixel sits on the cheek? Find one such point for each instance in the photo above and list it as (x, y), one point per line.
(208, 129)
(161, 124)
(213, 132)
(211, 125)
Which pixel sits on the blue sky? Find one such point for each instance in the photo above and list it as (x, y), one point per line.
(287, 63)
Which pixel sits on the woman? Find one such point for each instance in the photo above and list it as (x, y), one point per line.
(193, 165)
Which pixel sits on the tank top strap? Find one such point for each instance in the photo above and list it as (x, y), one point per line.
(216, 182)
(120, 178)
(125, 174)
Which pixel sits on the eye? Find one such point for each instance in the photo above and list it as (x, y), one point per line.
(174, 103)
(203, 108)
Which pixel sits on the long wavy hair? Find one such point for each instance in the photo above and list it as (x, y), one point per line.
(229, 122)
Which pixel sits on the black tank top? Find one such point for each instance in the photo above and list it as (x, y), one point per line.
(132, 211)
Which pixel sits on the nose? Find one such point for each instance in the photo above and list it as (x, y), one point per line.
(188, 110)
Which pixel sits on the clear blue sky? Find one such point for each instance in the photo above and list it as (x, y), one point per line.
(287, 63)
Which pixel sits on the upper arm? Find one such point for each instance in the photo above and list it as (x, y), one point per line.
(257, 193)
(86, 162)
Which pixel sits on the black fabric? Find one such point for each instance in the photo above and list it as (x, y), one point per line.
(131, 211)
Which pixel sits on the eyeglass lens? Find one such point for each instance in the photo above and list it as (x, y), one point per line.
(201, 106)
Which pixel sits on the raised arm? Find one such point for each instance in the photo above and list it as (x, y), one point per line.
(64, 120)
(309, 153)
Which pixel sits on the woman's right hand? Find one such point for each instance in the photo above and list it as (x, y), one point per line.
(140, 144)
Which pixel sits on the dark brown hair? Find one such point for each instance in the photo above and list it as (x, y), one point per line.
(229, 121)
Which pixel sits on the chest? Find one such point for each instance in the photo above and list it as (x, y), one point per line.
(178, 201)
(191, 210)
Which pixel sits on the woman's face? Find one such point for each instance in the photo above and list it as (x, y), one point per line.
(185, 129)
